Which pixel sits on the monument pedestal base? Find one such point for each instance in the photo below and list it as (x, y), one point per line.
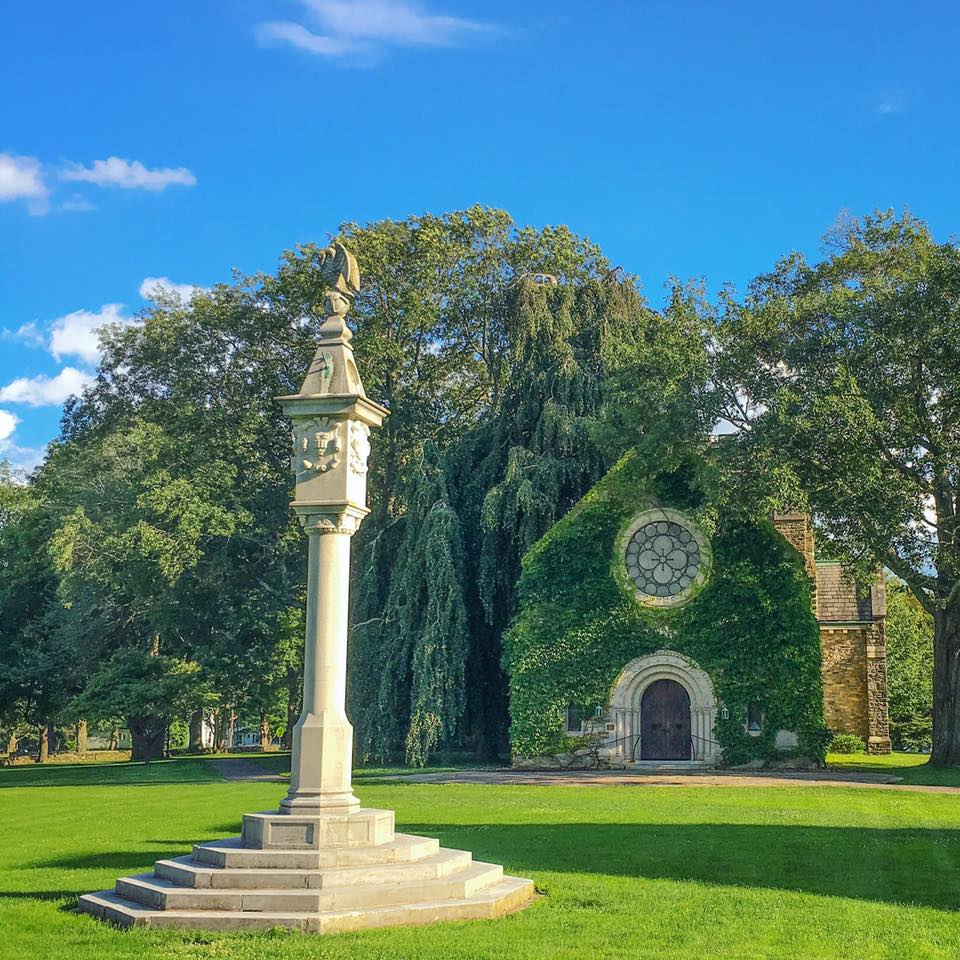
(317, 873)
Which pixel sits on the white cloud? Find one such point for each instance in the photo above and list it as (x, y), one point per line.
(297, 35)
(889, 103)
(21, 178)
(29, 333)
(8, 423)
(76, 334)
(364, 27)
(154, 288)
(128, 175)
(77, 203)
(22, 459)
(42, 391)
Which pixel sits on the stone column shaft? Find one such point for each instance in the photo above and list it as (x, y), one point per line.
(320, 768)
(325, 654)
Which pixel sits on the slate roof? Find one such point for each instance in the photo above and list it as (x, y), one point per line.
(839, 600)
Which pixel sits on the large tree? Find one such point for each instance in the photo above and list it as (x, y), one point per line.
(134, 518)
(171, 485)
(40, 669)
(844, 379)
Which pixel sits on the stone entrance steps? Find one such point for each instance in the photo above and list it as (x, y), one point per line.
(225, 885)
(668, 766)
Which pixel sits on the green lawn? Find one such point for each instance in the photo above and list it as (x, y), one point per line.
(911, 767)
(628, 872)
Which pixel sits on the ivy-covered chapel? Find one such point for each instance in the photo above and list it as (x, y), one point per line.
(655, 628)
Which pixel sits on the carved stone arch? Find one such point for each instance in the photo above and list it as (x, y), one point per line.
(628, 692)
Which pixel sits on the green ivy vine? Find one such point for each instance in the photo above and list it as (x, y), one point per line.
(751, 627)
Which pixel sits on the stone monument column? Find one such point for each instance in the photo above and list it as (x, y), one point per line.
(323, 736)
(321, 863)
(331, 418)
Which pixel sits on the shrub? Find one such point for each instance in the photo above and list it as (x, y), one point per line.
(847, 743)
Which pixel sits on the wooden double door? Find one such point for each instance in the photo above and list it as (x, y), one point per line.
(665, 722)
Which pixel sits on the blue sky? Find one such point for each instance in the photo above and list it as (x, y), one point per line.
(182, 139)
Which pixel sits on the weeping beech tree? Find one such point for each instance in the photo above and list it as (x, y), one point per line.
(424, 635)
(427, 667)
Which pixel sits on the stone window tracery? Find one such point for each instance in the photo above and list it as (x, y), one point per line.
(665, 556)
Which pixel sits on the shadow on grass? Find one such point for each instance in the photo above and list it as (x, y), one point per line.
(69, 895)
(125, 861)
(919, 867)
(187, 770)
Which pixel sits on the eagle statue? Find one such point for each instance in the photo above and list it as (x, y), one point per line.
(341, 277)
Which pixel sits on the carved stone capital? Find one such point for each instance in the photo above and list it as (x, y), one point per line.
(344, 520)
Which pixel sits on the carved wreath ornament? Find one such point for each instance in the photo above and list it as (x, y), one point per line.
(666, 557)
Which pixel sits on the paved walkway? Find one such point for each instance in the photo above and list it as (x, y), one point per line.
(241, 769)
(713, 778)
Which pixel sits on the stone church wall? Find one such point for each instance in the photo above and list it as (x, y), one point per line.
(855, 683)
(846, 707)
(852, 642)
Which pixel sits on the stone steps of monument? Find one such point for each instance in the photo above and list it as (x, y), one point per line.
(498, 899)
(174, 880)
(443, 863)
(230, 854)
(186, 872)
(161, 894)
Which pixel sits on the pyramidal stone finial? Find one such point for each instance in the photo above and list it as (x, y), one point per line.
(333, 370)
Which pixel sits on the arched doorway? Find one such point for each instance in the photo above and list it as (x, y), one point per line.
(665, 722)
(627, 703)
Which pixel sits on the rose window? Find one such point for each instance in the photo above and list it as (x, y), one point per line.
(665, 557)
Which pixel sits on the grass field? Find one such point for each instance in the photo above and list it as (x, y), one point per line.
(911, 767)
(780, 872)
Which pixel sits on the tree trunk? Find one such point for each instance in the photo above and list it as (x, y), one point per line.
(946, 683)
(265, 744)
(220, 731)
(43, 751)
(146, 735)
(230, 734)
(82, 736)
(11, 744)
(196, 732)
